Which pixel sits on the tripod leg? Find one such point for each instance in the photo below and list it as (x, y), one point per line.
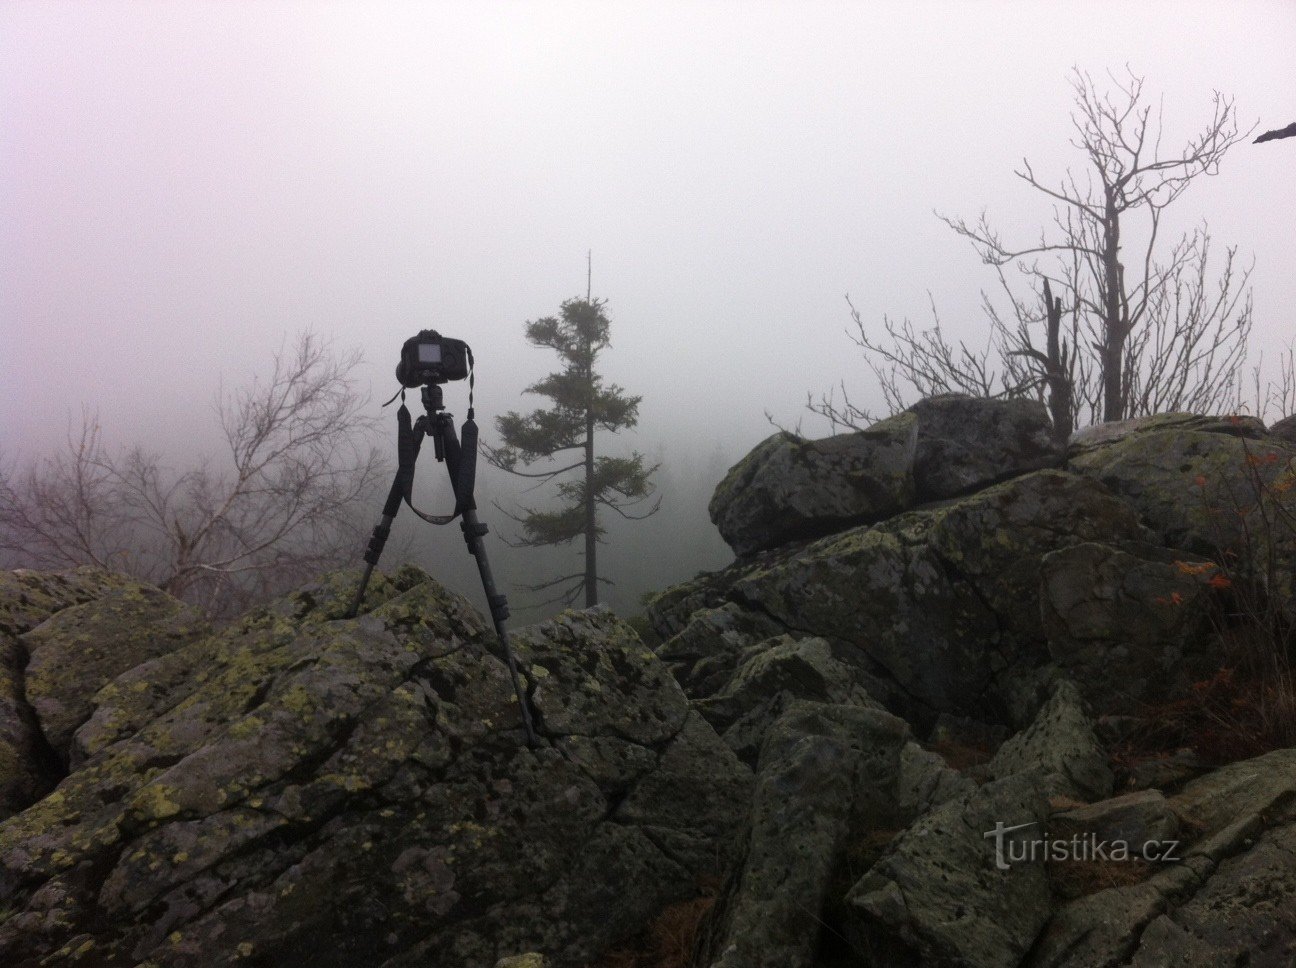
(408, 440)
(473, 531)
(371, 556)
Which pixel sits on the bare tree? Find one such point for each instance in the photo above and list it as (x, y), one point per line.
(281, 508)
(1132, 325)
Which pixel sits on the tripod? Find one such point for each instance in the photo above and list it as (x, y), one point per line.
(461, 462)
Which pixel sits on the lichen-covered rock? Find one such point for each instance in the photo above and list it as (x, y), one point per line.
(940, 607)
(1285, 430)
(1128, 625)
(966, 443)
(531, 959)
(775, 674)
(949, 892)
(304, 789)
(1231, 498)
(830, 777)
(788, 488)
(29, 765)
(1225, 900)
(74, 653)
(704, 654)
(1059, 743)
(1189, 485)
(28, 597)
(1102, 434)
(1140, 824)
(670, 610)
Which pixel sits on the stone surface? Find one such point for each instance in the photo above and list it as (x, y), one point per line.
(966, 443)
(1060, 742)
(788, 488)
(29, 765)
(1188, 485)
(1136, 825)
(1129, 626)
(1102, 434)
(1228, 899)
(1285, 430)
(942, 896)
(830, 776)
(301, 789)
(775, 674)
(705, 653)
(74, 653)
(1213, 494)
(529, 960)
(941, 607)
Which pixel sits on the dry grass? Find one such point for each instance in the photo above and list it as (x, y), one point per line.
(1233, 715)
(962, 756)
(1076, 878)
(666, 943)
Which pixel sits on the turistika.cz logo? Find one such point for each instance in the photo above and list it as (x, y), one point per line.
(1013, 845)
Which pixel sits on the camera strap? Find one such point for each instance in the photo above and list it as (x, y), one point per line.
(461, 458)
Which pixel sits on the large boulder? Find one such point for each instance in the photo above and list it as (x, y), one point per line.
(1227, 493)
(950, 891)
(705, 652)
(1285, 430)
(776, 674)
(1061, 746)
(1102, 434)
(1196, 488)
(788, 488)
(1224, 899)
(307, 789)
(1130, 625)
(831, 777)
(966, 443)
(44, 692)
(940, 607)
(76, 652)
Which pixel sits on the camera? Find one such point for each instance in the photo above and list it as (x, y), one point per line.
(430, 357)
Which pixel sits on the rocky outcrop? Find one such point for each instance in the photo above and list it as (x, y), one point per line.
(1130, 625)
(966, 443)
(830, 778)
(1285, 430)
(1188, 484)
(1051, 603)
(304, 789)
(1225, 899)
(939, 609)
(63, 635)
(1061, 746)
(788, 488)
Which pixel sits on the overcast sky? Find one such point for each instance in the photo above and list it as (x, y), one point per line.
(184, 183)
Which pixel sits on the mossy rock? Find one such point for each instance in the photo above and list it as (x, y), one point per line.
(301, 788)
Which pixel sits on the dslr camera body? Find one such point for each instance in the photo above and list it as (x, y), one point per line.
(430, 358)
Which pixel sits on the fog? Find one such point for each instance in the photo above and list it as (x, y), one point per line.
(186, 185)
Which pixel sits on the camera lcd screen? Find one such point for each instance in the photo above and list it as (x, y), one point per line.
(429, 352)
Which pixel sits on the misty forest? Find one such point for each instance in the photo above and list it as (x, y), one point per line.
(647, 487)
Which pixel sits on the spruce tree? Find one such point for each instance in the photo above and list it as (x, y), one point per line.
(580, 405)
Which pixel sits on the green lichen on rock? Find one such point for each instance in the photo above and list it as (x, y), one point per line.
(940, 607)
(28, 764)
(302, 788)
(787, 488)
(75, 652)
